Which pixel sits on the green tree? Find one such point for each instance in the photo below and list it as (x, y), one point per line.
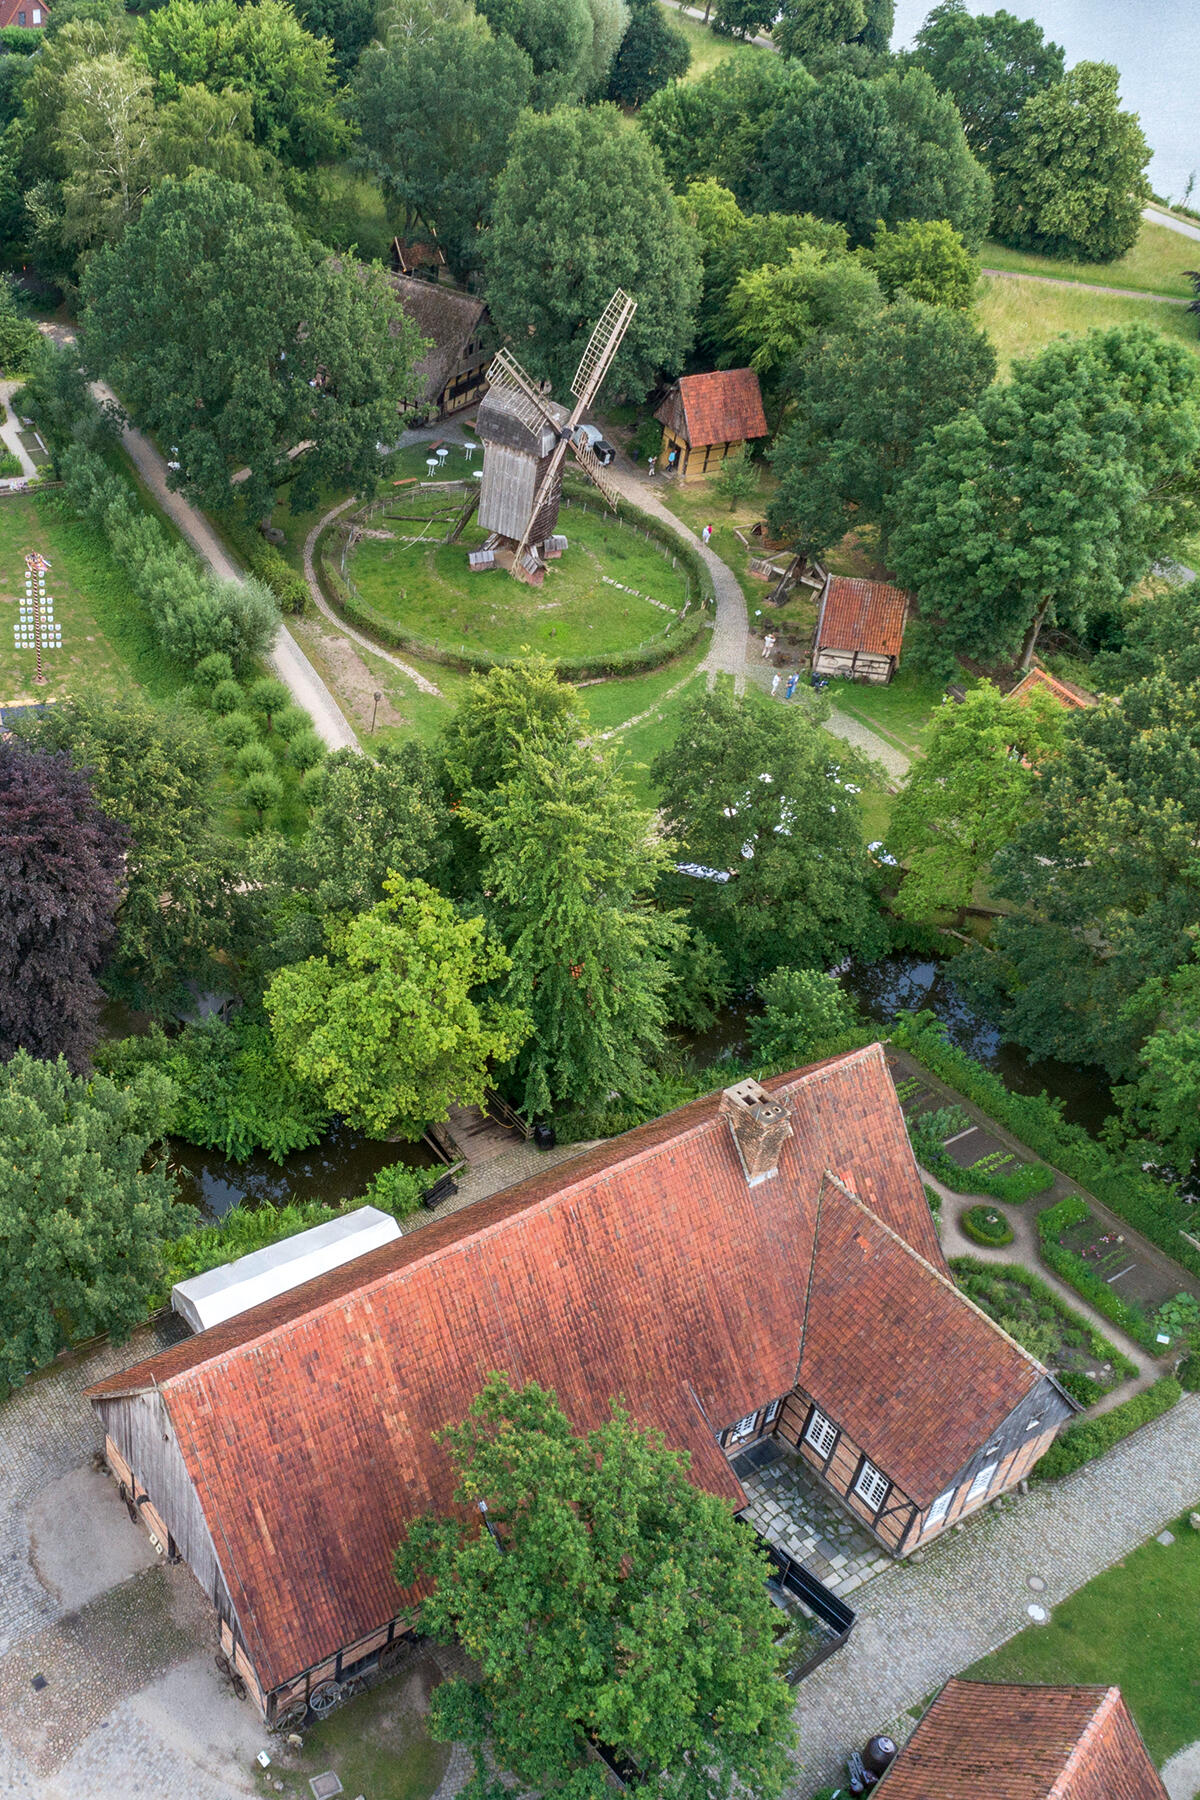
(104, 136)
(610, 19)
(63, 867)
(569, 1649)
(652, 53)
(568, 863)
(742, 18)
(860, 405)
(582, 208)
(881, 19)
(155, 771)
(20, 338)
(436, 114)
(773, 311)
(802, 1009)
(558, 36)
(1057, 493)
(737, 478)
(756, 791)
(978, 784)
(1073, 181)
(925, 259)
(277, 347)
(56, 396)
(1105, 879)
(1163, 1104)
(82, 1211)
(385, 1026)
(755, 241)
(990, 65)
(864, 151)
(809, 26)
(203, 130)
(348, 24)
(714, 126)
(261, 49)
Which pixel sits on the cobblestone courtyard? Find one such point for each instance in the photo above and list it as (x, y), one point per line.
(789, 1508)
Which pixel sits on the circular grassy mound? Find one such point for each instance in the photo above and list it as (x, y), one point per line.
(612, 591)
(986, 1225)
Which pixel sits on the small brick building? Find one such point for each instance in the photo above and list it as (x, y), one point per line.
(759, 1263)
(860, 629)
(704, 417)
(1007, 1741)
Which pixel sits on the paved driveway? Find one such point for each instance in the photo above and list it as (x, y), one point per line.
(129, 1702)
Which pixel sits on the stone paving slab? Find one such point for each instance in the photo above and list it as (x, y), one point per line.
(791, 1510)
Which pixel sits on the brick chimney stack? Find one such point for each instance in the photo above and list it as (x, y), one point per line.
(760, 1127)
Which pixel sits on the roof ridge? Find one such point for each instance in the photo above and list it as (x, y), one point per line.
(936, 1273)
(1109, 1702)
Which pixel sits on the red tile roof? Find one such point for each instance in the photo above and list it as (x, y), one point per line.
(722, 407)
(1076, 698)
(862, 615)
(1011, 1742)
(648, 1268)
(10, 11)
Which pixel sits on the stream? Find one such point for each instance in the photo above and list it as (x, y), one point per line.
(336, 1169)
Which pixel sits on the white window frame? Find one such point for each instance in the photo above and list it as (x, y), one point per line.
(772, 1412)
(822, 1434)
(939, 1509)
(871, 1485)
(982, 1482)
(743, 1429)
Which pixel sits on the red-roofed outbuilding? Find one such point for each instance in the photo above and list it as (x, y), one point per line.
(860, 629)
(758, 1263)
(1075, 699)
(704, 417)
(1012, 1742)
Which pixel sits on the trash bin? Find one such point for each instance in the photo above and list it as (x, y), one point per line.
(543, 1136)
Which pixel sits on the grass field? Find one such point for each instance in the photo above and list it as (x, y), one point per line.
(901, 712)
(107, 645)
(707, 48)
(1138, 1626)
(1022, 316)
(429, 591)
(1156, 264)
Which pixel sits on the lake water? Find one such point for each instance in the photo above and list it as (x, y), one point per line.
(1154, 43)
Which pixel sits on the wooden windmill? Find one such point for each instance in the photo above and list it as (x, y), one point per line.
(526, 438)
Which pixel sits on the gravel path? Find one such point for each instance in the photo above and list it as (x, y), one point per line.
(1154, 217)
(870, 743)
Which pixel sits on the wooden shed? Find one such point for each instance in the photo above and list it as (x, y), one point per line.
(860, 630)
(704, 417)
(453, 371)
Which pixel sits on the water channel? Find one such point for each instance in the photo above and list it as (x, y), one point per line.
(336, 1169)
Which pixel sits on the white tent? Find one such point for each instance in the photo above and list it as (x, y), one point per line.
(233, 1288)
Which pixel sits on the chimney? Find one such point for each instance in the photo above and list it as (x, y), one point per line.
(760, 1128)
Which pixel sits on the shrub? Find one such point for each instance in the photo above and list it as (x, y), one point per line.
(1152, 1206)
(211, 669)
(268, 696)
(1080, 1386)
(306, 750)
(1188, 1372)
(287, 584)
(254, 759)
(1088, 1438)
(1072, 1268)
(1039, 1340)
(984, 1225)
(290, 722)
(262, 790)
(227, 697)
(802, 1007)
(395, 1190)
(236, 730)
(935, 1202)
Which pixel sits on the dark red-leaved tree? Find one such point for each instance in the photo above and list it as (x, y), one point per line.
(61, 869)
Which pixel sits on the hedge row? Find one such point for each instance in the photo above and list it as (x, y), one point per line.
(1088, 1438)
(977, 1225)
(1084, 1279)
(1149, 1205)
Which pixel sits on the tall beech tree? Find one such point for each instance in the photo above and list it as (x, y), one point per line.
(616, 1602)
(714, 126)
(558, 36)
(807, 27)
(772, 312)
(278, 349)
(756, 792)
(82, 1212)
(978, 783)
(62, 876)
(861, 402)
(1056, 493)
(1072, 181)
(583, 208)
(388, 1026)
(990, 64)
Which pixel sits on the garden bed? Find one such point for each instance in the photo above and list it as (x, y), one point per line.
(1104, 1268)
(1084, 1361)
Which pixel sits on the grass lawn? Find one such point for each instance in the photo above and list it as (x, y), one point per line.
(697, 504)
(107, 645)
(901, 712)
(376, 1744)
(1138, 1626)
(642, 743)
(1021, 316)
(429, 591)
(1155, 264)
(707, 48)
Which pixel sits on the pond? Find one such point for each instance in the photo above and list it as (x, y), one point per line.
(336, 1169)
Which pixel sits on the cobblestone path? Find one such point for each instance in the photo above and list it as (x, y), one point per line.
(921, 1622)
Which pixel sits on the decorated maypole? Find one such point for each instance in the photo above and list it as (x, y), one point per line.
(36, 629)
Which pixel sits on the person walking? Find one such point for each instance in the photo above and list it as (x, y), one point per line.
(768, 643)
(652, 462)
(791, 686)
(706, 534)
(775, 680)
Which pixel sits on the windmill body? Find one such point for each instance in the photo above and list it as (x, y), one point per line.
(526, 437)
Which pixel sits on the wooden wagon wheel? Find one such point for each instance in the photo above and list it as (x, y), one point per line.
(324, 1698)
(293, 1714)
(393, 1654)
